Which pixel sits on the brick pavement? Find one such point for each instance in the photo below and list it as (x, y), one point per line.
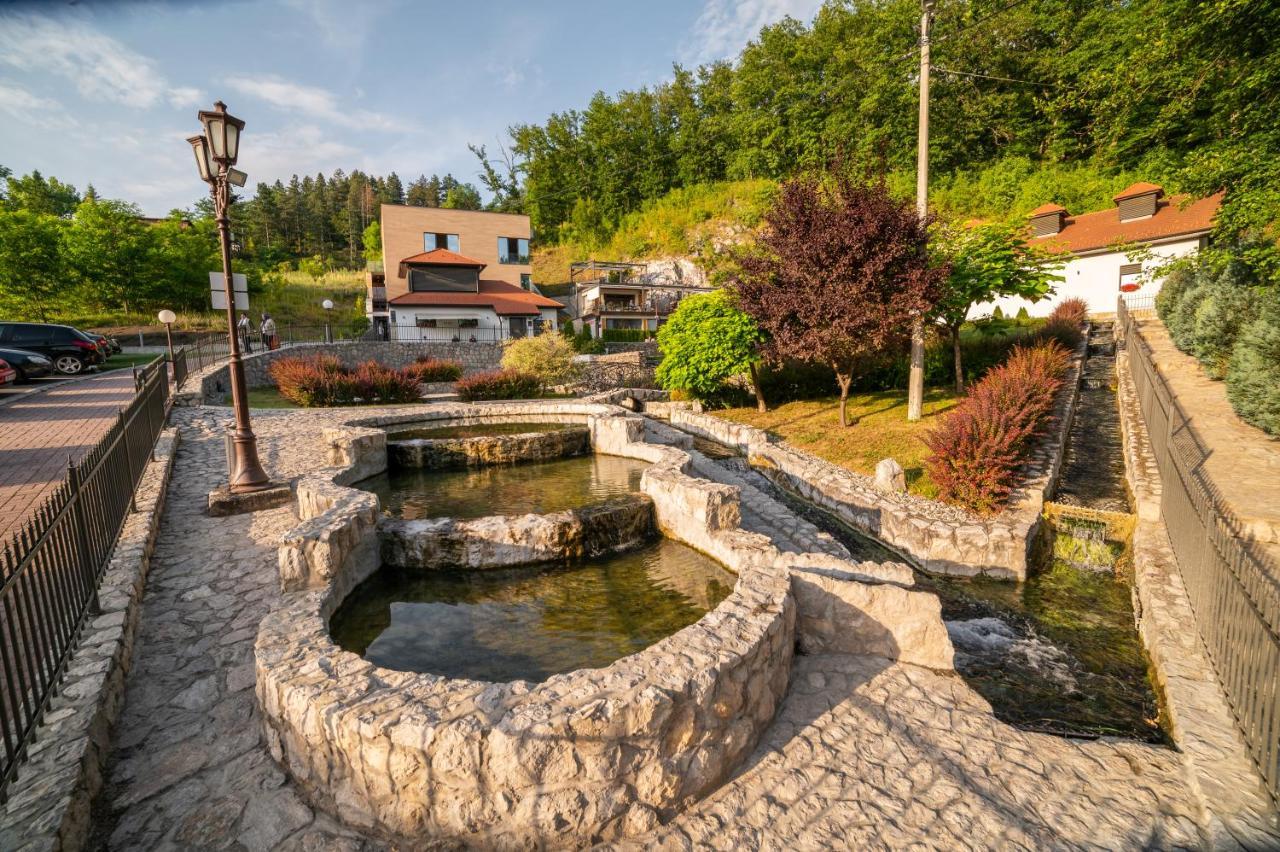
(39, 432)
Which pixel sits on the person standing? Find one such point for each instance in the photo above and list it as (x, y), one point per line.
(268, 332)
(242, 328)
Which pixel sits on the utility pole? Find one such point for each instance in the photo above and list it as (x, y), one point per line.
(915, 382)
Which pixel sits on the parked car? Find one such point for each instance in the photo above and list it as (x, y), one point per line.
(8, 375)
(71, 350)
(110, 346)
(30, 365)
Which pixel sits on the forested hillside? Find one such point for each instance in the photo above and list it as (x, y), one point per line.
(1063, 100)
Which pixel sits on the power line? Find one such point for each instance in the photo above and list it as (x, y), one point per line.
(997, 77)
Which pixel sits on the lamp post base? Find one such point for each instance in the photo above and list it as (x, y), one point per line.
(224, 501)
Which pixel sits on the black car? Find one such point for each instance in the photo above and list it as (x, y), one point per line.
(109, 345)
(30, 365)
(71, 351)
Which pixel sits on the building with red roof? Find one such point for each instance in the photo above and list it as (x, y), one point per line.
(456, 275)
(1117, 252)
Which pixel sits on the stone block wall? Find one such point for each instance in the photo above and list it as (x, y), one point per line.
(941, 539)
(444, 453)
(215, 384)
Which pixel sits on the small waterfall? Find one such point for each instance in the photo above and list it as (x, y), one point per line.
(617, 524)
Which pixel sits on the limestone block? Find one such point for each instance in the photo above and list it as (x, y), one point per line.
(890, 476)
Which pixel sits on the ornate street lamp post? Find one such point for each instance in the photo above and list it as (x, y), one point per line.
(216, 151)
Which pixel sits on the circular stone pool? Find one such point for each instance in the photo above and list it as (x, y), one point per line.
(529, 623)
(476, 429)
(537, 487)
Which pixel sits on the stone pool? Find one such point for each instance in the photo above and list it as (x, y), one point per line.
(532, 622)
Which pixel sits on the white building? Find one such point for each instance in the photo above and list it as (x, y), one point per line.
(1096, 266)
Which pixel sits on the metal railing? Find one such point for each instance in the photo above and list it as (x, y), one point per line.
(1233, 586)
(50, 568)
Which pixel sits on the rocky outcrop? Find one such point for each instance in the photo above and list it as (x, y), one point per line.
(445, 453)
(621, 523)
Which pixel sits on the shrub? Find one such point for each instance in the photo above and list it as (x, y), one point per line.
(625, 335)
(322, 380)
(1181, 321)
(1180, 279)
(1074, 310)
(1226, 306)
(547, 356)
(981, 444)
(499, 384)
(428, 369)
(1253, 376)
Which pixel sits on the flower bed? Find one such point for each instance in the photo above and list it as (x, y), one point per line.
(322, 381)
(430, 370)
(499, 384)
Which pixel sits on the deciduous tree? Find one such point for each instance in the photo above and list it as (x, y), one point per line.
(707, 342)
(840, 271)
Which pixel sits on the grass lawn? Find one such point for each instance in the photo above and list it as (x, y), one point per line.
(125, 360)
(881, 430)
(268, 398)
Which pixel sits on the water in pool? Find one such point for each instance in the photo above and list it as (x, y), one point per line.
(477, 430)
(540, 487)
(529, 623)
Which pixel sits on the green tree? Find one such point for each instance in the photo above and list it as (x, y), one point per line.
(986, 262)
(37, 194)
(314, 267)
(372, 241)
(109, 253)
(31, 277)
(707, 342)
(462, 196)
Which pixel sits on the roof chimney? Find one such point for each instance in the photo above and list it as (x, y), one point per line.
(1046, 219)
(1138, 201)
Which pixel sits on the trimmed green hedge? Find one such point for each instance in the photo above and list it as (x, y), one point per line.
(625, 335)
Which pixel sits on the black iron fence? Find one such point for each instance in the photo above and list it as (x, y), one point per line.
(1234, 587)
(50, 568)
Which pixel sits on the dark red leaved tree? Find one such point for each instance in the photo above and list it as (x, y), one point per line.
(840, 272)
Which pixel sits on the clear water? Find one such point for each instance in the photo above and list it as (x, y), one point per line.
(538, 487)
(1058, 653)
(529, 623)
(476, 430)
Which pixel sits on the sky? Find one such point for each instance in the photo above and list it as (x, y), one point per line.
(106, 92)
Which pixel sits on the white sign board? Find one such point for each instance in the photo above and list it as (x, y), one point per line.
(218, 291)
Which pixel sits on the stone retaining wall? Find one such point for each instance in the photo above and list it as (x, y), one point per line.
(49, 805)
(941, 539)
(621, 523)
(215, 384)
(445, 453)
(585, 756)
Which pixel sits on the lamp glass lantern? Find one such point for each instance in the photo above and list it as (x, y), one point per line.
(167, 316)
(222, 130)
(201, 149)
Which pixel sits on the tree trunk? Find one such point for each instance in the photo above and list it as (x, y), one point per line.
(845, 379)
(755, 386)
(955, 351)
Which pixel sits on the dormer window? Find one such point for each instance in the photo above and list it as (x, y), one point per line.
(1047, 219)
(1138, 201)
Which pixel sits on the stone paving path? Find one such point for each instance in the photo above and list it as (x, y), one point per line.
(39, 432)
(864, 754)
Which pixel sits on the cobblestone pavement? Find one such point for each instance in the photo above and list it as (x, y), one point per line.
(863, 754)
(39, 432)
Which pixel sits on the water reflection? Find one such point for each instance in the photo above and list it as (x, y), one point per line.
(538, 487)
(529, 623)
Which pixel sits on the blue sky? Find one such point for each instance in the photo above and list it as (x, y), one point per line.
(105, 92)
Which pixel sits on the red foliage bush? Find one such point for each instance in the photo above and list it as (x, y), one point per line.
(429, 369)
(322, 380)
(499, 384)
(1074, 310)
(979, 447)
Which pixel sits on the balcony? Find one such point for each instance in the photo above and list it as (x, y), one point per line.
(377, 300)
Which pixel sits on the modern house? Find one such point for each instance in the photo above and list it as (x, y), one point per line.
(618, 296)
(455, 275)
(1115, 252)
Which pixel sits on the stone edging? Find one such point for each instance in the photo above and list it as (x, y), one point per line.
(586, 755)
(942, 539)
(50, 804)
(1237, 808)
(441, 453)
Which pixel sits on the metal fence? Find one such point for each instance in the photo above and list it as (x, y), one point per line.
(1234, 587)
(50, 569)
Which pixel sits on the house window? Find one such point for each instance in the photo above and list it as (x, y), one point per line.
(444, 279)
(1130, 277)
(423, 322)
(526, 281)
(430, 242)
(513, 250)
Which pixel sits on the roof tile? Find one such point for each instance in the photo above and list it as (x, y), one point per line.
(504, 298)
(1174, 216)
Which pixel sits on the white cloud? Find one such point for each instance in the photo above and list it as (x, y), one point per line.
(311, 101)
(99, 66)
(298, 149)
(725, 26)
(33, 109)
